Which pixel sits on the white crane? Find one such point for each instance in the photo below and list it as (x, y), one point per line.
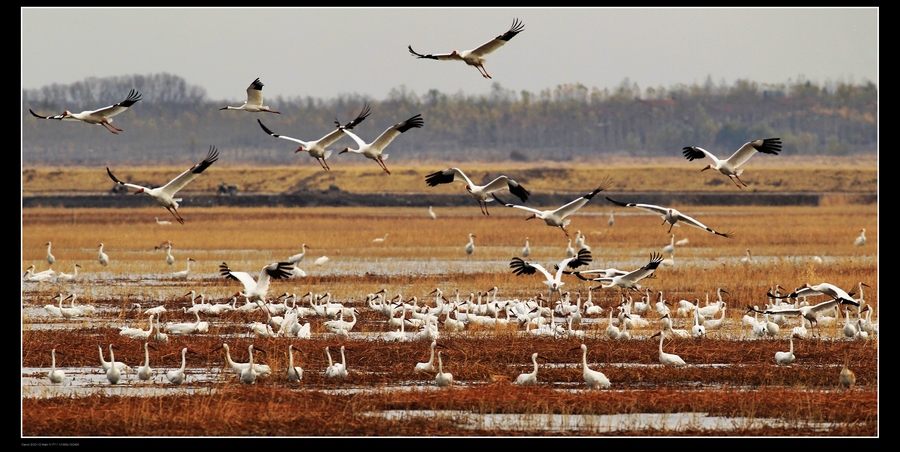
(254, 102)
(65, 277)
(670, 248)
(317, 148)
(823, 289)
(169, 258)
(860, 241)
(375, 149)
(442, 378)
(553, 282)
(336, 370)
(529, 379)
(570, 250)
(593, 378)
(176, 377)
(261, 369)
(162, 222)
(729, 166)
(102, 257)
(668, 359)
(137, 333)
(43, 276)
(145, 372)
(380, 239)
(557, 217)
(431, 213)
(787, 357)
(249, 373)
(698, 330)
(427, 366)
(51, 259)
(257, 290)
(475, 57)
(628, 280)
(113, 374)
(184, 273)
(670, 215)
(55, 375)
(101, 116)
(479, 193)
(526, 250)
(612, 219)
(470, 247)
(105, 365)
(299, 256)
(294, 373)
(164, 195)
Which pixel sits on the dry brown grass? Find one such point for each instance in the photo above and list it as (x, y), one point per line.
(857, 174)
(783, 238)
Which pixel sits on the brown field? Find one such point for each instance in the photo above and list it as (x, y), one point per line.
(856, 174)
(728, 373)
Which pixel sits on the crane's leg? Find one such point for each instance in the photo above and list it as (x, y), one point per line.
(739, 180)
(484, 210)
(670, 227)
(175, 214)
(380, 162)
(483, 71)
(735, 181)
(324, 165)
(564, 230)
(110, 127)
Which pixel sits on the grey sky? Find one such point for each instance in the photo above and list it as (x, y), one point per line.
(322, 52)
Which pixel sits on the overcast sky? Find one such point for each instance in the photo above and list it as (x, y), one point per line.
(323, 52)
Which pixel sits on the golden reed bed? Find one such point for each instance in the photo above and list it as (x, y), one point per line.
(728, 374)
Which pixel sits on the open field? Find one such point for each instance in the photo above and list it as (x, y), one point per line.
(856, 174)
(730, 376)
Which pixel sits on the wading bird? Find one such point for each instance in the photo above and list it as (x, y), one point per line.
(102, 116)
(593, 378)
(44, 276)
(249, 373)
(729, 166)
(113, 374)
(860, 241)
(144, 372)
(529, 379)
(847, 378)
(261, 369)
(442, 378)
(176, 377)
(299, 256)
(317, 149)
(375, 149)
(65, 277)
(787, 357)
(628, 280)
(51, 259)
(102, 257)
(557, 218)
(470, 247)
(426, 366)
(164, 195)
(475, 57)
(479, 192)
(669, 215)
(668, 359)
(55, 375)
(162, 222)
(184, 273)
(294, 373)
(256, 291)
(526, 250)
(254, 100)
(336, 370)
(521, 267)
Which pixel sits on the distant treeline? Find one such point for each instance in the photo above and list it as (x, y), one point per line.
(176, 122)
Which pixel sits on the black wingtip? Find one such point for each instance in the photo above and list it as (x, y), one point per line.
(623, 204)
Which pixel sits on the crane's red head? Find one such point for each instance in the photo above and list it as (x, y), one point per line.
(139, 191)
(533, 216)
(299, 149)
(345, 150)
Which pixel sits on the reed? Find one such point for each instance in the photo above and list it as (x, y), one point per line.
(418, 256)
